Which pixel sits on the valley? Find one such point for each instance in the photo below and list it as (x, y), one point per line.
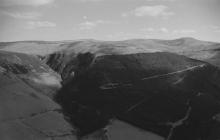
(110, 90)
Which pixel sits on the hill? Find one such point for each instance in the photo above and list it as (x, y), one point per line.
(26, 106)
(88, 89)
(190, 47)
(165, 93)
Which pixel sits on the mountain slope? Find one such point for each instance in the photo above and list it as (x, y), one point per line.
(155, 89)
(27, 111)
(160, 92)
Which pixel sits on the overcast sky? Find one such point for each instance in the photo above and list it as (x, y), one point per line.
(109, 19)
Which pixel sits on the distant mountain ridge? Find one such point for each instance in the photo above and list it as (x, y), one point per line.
(190, 47)
(90, 42)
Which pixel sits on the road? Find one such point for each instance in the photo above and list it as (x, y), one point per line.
(172, 73)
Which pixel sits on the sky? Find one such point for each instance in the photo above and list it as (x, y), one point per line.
(55, 20)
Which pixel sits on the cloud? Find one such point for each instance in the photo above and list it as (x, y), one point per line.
(150, 29)
(152, 11)
(22, 15)
(89, 25)
(164, 30)
(161, 0)
(157, 30)
(40, 24)
(184, 31)
(215, 28)
(25, 2)
(123, 36)
(91, 0)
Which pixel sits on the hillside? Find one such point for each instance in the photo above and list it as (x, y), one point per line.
(190, 47)
(158, 92)
(27, 110)
(148, 89)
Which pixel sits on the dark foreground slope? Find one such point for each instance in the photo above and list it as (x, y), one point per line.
(171, 95)
(26, 110)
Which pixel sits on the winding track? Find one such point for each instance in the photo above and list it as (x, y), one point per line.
(172, 73)
(114, 85)
(162, 75)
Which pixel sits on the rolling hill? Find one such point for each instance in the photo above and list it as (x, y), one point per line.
(158, 92)
(89, 89)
